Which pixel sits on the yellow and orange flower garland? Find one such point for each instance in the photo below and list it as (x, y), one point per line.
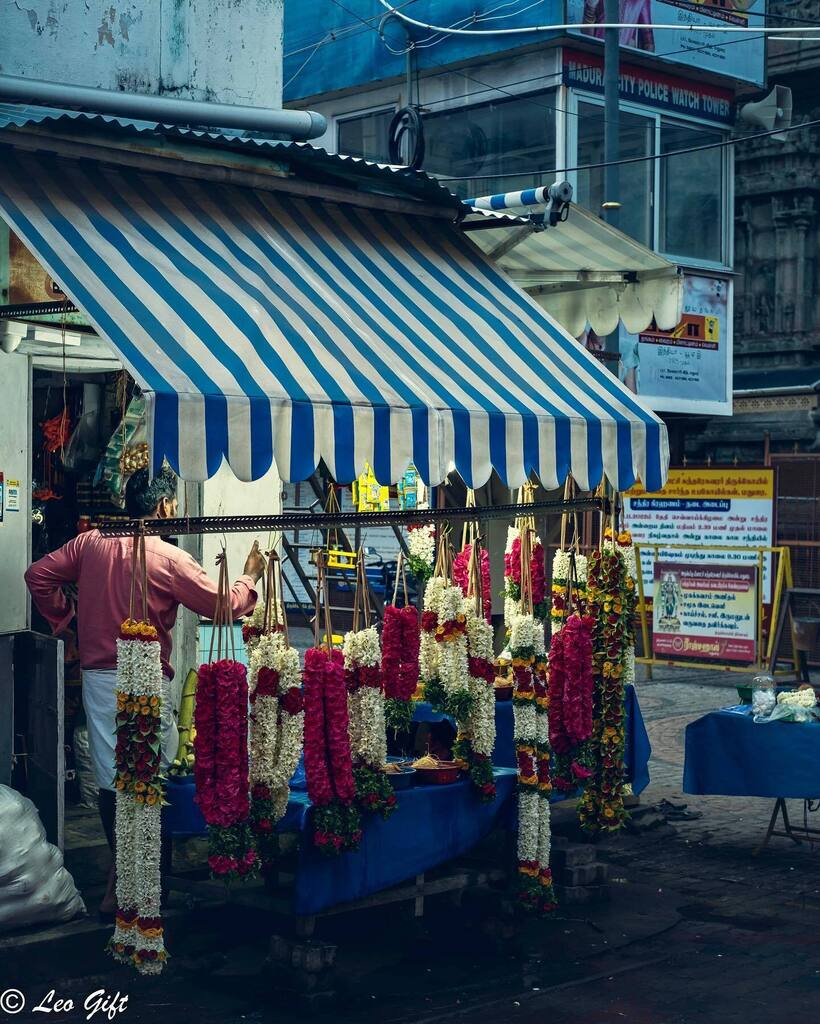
(138, 935)
(611, 592)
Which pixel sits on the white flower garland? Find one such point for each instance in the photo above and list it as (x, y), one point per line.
(368, 733)
(138, 935)
(428, 647)
(421, 543)
(481, 722)
(252, 629)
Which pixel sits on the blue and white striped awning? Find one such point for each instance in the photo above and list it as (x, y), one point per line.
(268, 328)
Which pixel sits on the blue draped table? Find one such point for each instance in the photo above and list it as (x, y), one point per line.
(431, 825)
(636, 756)
(728, 754)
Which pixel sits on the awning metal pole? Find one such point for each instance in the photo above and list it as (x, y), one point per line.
(335, 521)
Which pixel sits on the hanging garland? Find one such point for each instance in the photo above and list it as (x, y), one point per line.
(571, 688)
(475, 739)
(531, 728)
(253, 628)
(421, 550)
(626, 548)
(444, 667)
(461, 576)
(401, 639)
(138, 933)
(365, 701)
(512, 577)
(611, 604)
(564, 565)
(221, 769)
(276, 721)
(328, 762)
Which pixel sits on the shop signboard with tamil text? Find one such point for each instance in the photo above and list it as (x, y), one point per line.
(687, 369)
(704, 612)
(699, 507)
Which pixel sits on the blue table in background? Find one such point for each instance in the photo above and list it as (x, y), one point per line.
(636, 756)
(729, 754)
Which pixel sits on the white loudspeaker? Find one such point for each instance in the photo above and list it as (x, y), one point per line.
(772, 112)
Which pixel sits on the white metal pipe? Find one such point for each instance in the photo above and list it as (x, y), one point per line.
(294, 124)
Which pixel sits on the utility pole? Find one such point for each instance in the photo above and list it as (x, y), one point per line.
(612, 16)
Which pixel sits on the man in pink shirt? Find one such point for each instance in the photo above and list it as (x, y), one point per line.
(101, 569)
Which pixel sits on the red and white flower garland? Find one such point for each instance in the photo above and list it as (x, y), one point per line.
(276, 733)
(221, 767)
(328, 763)
(512, 577)
(562, 569)
(443, 658)
(476, 733)
(252, 629)
(138, 934)
(368, 736)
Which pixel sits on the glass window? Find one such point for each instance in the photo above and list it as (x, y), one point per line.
(515, 137)
(366, 136)
(692, 194)
(636, 139)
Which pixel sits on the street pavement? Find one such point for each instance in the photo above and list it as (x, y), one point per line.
(698, 929)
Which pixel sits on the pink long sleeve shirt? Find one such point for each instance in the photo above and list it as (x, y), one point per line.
(101, 568)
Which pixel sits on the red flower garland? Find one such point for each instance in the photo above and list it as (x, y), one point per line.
(571, 702)
(328, 764)
(461, 576)
(512, 573)
(401, 639)
(221, 767)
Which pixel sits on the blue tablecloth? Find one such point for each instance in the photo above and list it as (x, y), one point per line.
(636, 756)
(432, 824)
(728, 754)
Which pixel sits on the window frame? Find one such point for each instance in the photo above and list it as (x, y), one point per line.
(660, 117)
(555, 88)
(357, 115)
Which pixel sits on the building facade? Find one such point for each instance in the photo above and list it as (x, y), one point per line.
(509, 110)
(777, 262)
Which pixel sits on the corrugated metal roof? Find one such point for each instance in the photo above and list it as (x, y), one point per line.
(396, 180)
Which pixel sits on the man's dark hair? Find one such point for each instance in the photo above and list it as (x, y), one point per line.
(142, 494)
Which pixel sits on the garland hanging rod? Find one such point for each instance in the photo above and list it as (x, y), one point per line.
(186, 525)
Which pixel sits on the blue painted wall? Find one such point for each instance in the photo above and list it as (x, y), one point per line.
(358, 55)
(335, 44)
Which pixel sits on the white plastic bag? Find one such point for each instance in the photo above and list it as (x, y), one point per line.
(35, 887)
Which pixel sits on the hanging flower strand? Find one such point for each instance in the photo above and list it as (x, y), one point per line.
(277, 717)
(221, 765)
(475, 739)
(365, 701)
(138, 932)
(531, 727)
(328, 762)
